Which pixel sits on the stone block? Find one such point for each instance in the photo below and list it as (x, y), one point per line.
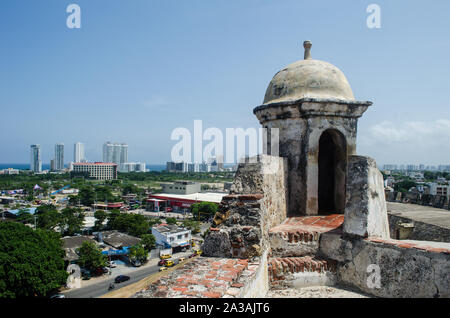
(365, 211)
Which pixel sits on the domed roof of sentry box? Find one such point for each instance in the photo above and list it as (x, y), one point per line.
(308, 78)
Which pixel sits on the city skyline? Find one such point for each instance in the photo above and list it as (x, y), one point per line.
(140, 88)
(399, 165)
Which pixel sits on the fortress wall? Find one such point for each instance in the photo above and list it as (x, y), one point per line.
(406, 270)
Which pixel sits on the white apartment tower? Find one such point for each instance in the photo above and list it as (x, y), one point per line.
(78, 152)
(36, 161)
(115, 152)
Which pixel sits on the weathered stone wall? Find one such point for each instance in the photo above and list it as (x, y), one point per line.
(365, 211)
(266, 175)
(420, 231)
(406, 270)
(436, 201)
(237, 228)
(258, 202)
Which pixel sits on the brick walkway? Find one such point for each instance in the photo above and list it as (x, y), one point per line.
(308, 228)
(203, 278)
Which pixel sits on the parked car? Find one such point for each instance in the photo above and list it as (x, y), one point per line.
(169, 263)
(121, 278)
(112, 264)
(58, 296)
(86, 274)
(181, 259)
(161, 262)
(163, 269)
(136, 263)
(100, 270)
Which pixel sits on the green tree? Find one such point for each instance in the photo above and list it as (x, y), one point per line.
(404, 185)
(192, 225)
(100, 217)
(113, 214)
(48, 217)
(153, 222)
(90, 256)
(203, 210)
(130, 188)
(25, 217)
(171, 221)
(138, 253)
(71, 221)
(133, 224)
(31, 262)
(148, 241)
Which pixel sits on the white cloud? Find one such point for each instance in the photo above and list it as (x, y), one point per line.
(410, 141)
(387, 132)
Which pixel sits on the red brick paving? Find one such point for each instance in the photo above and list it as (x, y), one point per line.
(199, 279)
(308, 228)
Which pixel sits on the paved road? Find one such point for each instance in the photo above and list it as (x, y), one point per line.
(101, 288)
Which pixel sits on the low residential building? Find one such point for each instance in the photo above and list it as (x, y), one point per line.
(117, 239)
(7, 200)
(72, 243)
(9, 171)
(173, 236)
(439, 189)
(96, 170)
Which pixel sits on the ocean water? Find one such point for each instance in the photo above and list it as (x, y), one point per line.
(25, 166)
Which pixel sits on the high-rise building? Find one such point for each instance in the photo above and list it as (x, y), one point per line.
(132, 167)
(78, 152)
(59, 157)
(115, 152)
(36, 161)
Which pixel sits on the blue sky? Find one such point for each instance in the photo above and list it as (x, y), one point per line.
(138, 69)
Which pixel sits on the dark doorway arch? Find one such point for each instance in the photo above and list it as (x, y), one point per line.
(332, 172)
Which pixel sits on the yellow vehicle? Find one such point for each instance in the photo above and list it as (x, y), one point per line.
(198, 252)
(169, 263)
(165, 256)
(162, 269)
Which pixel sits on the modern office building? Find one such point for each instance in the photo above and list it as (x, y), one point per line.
(59, 157)
(96, 170)
(36, 160)
(115, 152)
(78, 152)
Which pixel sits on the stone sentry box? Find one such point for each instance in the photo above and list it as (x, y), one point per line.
(312, 105)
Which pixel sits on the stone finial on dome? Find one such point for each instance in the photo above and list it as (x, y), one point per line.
(307, 45)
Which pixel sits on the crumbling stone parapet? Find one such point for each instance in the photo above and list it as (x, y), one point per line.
(365, 210)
